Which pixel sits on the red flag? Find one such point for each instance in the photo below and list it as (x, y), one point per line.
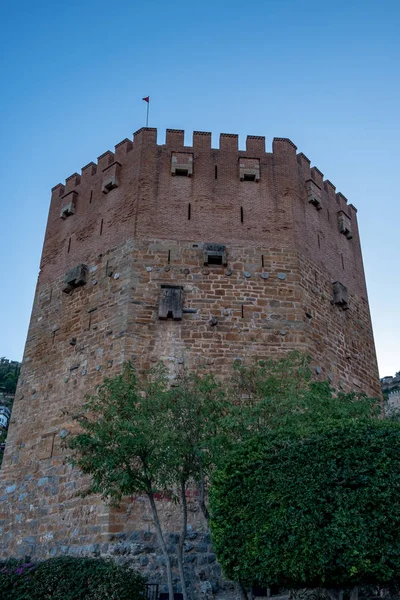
(146, 99)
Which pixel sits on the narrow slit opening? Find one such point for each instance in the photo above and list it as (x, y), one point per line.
(101, 226)
(216, 172)
(262, 260)
(242, 311)
(91, 196)
(69, 245)
(241, 214)
(169, 256)
(189, 211)
(319, 241)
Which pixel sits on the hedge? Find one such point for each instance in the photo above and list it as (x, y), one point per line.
(69, 578)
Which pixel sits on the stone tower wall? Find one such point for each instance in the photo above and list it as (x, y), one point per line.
(138, 223)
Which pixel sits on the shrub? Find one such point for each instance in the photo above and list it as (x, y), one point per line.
(318, 512)
(68, 578)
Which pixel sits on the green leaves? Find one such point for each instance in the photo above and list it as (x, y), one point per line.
(322, 511)
(9, 374)
(119, 445)
(281, 396)
(69, 578)
(301, 471)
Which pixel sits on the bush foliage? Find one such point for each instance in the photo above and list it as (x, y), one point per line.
(322, 511)
(9, 373)
(68, 578)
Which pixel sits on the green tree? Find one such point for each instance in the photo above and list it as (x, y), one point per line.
(317, 512)
(281, 396)
(147, 438)
(120, 445)
(9, 373)
(10, 383)
(195, 411)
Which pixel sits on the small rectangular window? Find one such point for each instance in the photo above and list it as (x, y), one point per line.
(182, 164)
(214, 260)
(314, 194)
(249, 177)
(344, 223)
(181, 172)
(171, 301)
(340, 295)
(215, 254)
(249, 169)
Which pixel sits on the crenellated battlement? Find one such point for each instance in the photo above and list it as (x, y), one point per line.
(201, 142)
(197, 191)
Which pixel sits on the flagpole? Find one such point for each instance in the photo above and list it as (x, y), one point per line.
(147, 100)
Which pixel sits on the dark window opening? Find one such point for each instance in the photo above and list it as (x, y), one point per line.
(216, 172)
(214, 260)
(189, 211)
(169, 256)
(69, 245)
(340, 295)
(109, 185)
(249, 177)
(170, 304)
(241, 214)
(91, 196)
(101, 226)
(182, 172)
(242, 311)
(319, 242)
(262, 260)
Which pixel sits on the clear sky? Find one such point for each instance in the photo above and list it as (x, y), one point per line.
(323, 73)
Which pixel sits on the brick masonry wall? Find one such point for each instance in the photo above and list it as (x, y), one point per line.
(274, 295)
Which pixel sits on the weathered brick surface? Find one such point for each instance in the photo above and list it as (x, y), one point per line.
(274, 295)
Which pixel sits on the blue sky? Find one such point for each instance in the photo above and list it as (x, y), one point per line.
(324, 74)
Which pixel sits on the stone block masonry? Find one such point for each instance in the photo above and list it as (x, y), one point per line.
(182, 254)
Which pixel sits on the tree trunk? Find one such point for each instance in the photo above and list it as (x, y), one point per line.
(162, 544)
(181, 542)
(354, 593)
(201, 489)
(241, 592)
(335, 594)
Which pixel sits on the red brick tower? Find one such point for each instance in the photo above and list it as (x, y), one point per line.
(181, 254)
